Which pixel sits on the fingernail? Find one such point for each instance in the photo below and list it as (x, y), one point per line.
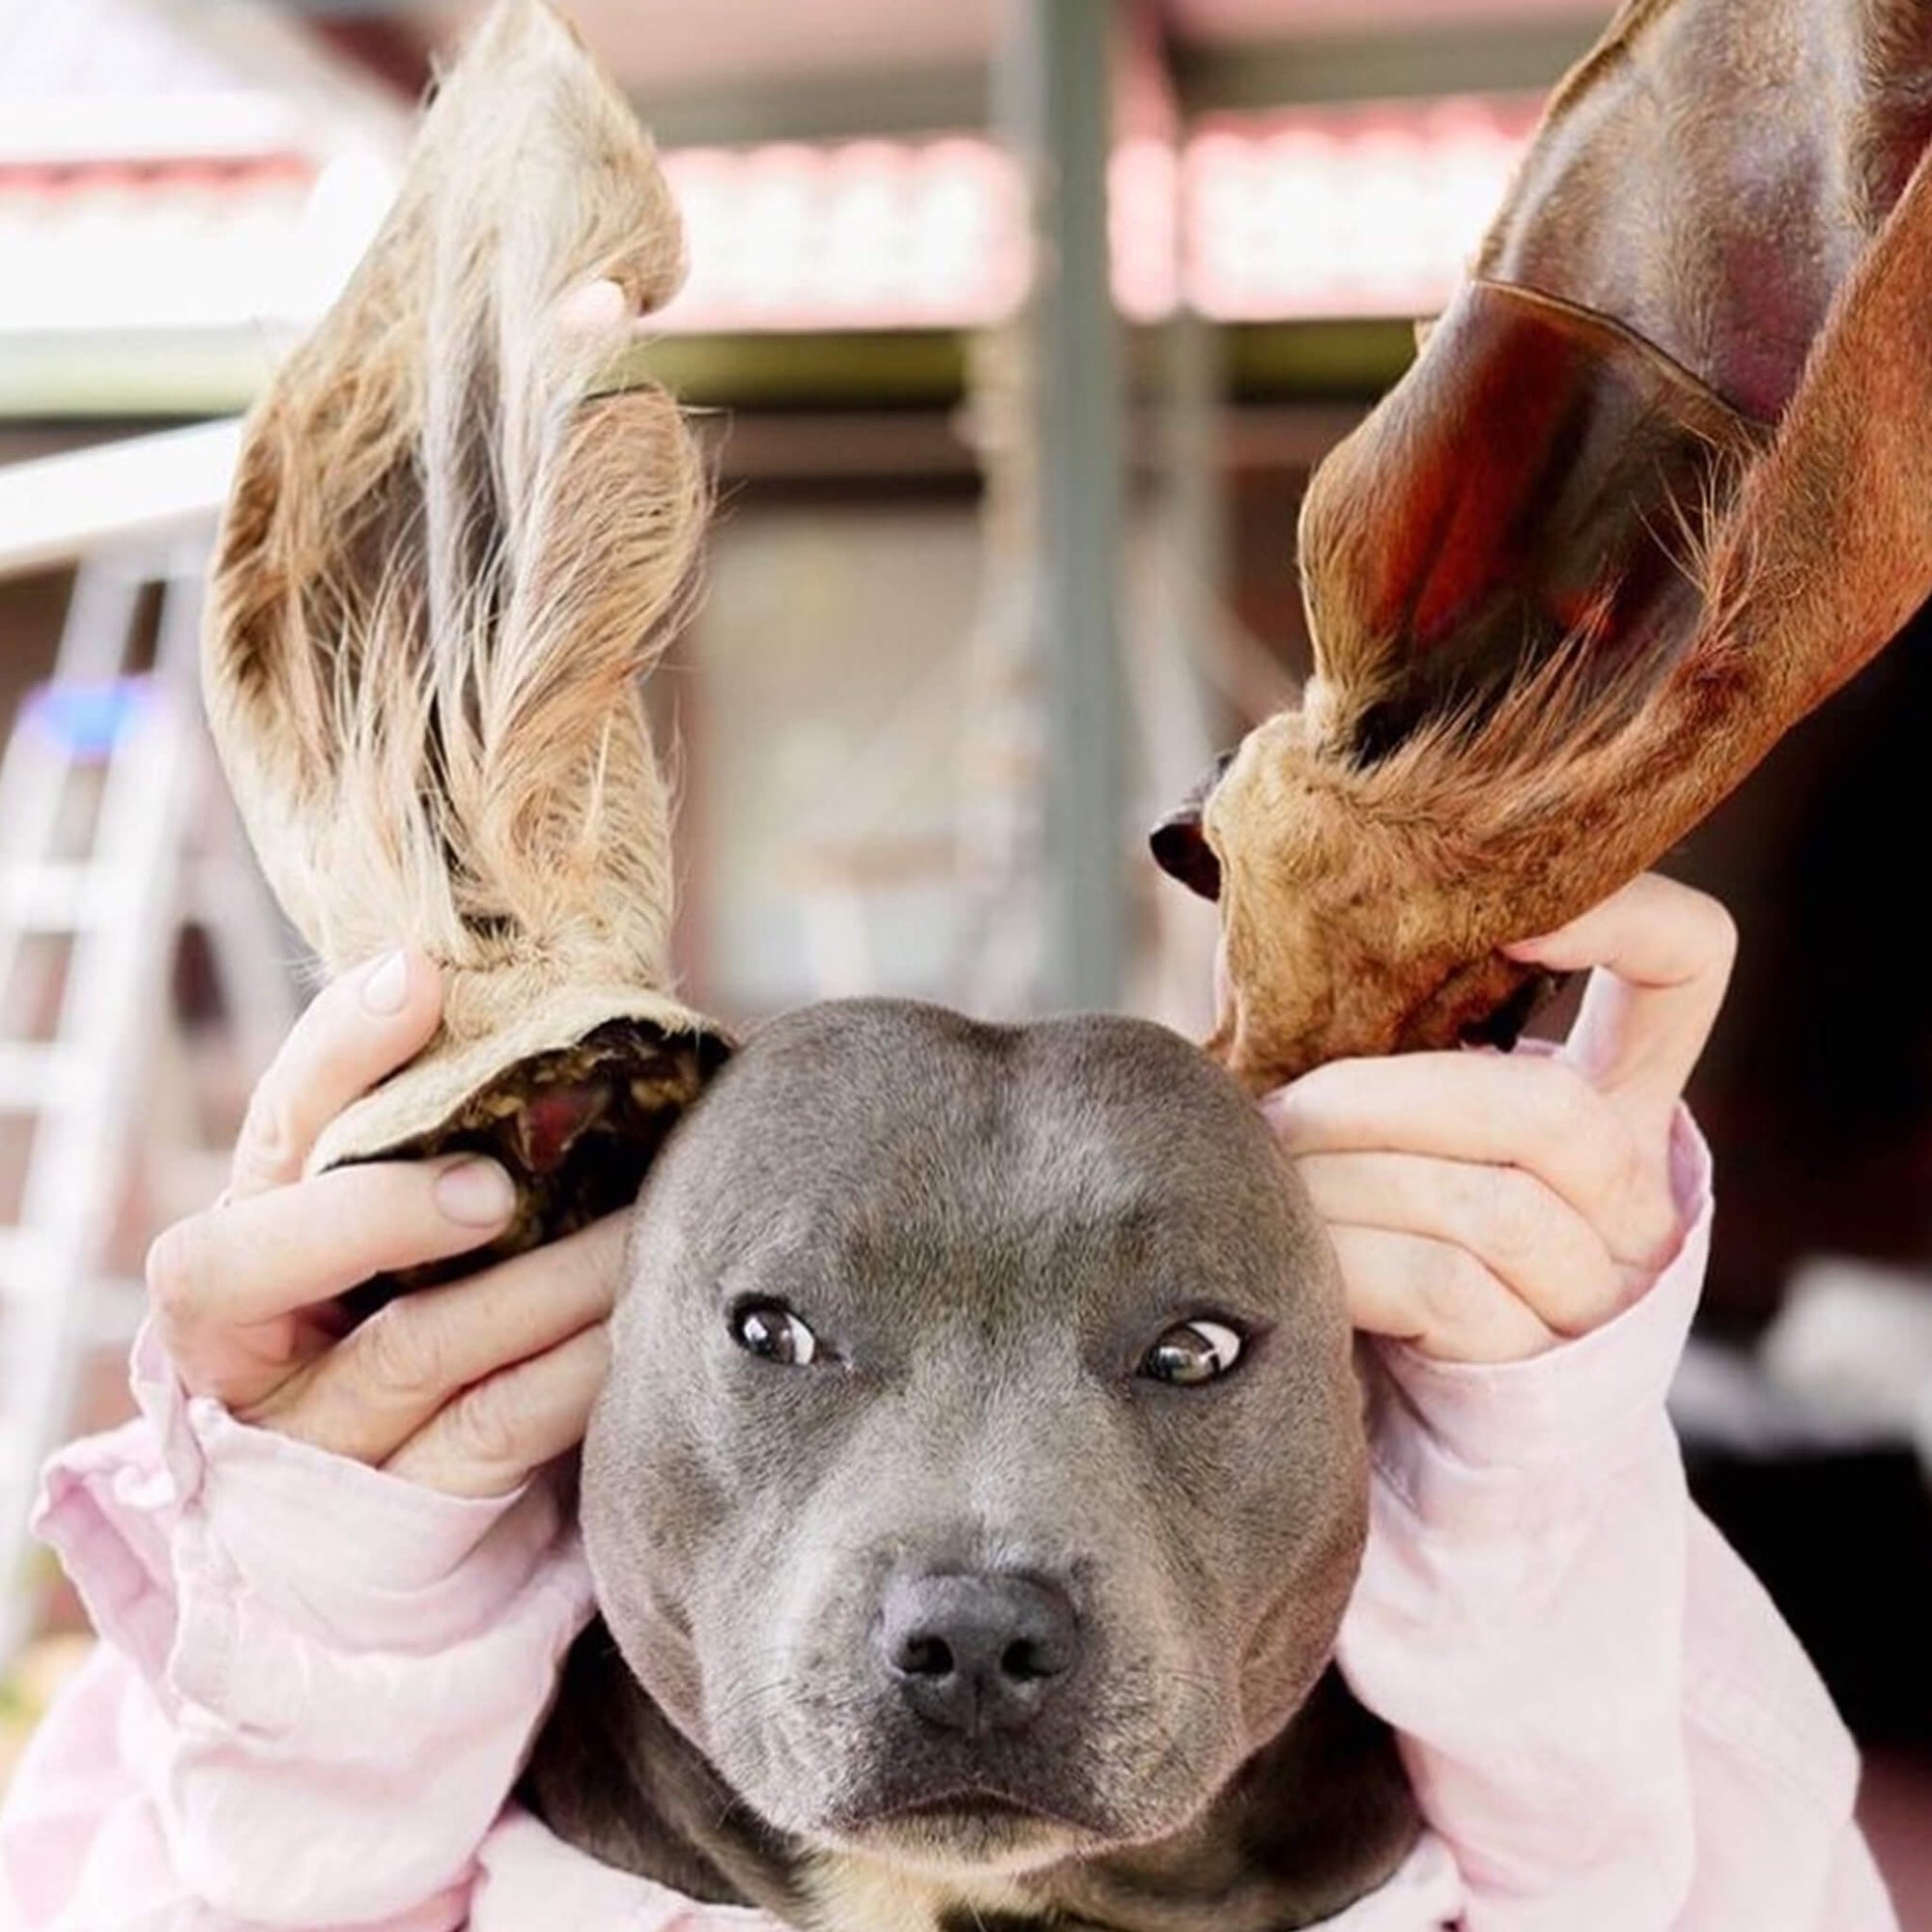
(478, 1193)
(594, 307)
(388, 985)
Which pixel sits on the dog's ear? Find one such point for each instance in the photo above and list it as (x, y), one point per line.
(1649, 493)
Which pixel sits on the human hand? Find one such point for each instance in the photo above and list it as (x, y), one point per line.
(466, 1387)
(1485, 1206)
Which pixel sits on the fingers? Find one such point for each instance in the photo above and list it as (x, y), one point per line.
(358, 1029)
(1664, 954)
(216, 1276)
(1537, 1114)
(1486, 1205)
(383, 1383)
(1439, 1298)
(468, 1386)
(498, 1432)
(1524, 1235)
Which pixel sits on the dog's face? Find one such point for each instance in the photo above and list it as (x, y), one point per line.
(981, 1474)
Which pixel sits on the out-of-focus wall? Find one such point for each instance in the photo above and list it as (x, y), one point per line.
(823, 746)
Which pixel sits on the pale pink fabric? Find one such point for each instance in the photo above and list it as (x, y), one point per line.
(317, 1681)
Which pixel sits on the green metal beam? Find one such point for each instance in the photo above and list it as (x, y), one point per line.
(88, 377)
(833, 108)
(1418, 63)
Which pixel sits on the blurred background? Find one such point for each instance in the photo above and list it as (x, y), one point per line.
(1017, 326)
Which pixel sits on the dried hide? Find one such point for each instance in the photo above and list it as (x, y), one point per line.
(457, 538)
(1650, 493)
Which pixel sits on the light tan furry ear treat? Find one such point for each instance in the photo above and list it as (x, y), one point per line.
(458, 537)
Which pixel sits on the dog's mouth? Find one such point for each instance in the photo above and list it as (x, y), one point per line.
(971, 1828)
(964, 1825)
(971, 1805)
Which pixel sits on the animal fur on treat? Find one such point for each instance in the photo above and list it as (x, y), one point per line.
(1650, 492)
(454, 544)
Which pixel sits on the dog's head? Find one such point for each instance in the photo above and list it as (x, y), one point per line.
(981, 1476)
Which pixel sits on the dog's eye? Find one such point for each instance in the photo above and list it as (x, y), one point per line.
(1192, 1352)
(771, 1330)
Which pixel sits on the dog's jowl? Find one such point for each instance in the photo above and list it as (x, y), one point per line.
(974, 1500)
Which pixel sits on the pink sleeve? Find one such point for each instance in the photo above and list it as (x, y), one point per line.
(1603, 1715)
(315, 1689)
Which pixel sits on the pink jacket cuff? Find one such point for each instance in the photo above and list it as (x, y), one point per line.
(325, 1643)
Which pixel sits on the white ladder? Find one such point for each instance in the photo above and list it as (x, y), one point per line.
(106, 787)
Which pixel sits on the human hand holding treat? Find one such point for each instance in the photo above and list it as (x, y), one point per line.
(469, 1386)
(1487, 1207)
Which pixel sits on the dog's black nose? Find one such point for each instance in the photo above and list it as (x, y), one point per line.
(977, 1652)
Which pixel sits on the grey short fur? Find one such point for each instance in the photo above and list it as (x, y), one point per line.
(985, 1228)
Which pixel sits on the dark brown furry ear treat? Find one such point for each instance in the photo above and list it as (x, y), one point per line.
(455, 545)
(1650, 492)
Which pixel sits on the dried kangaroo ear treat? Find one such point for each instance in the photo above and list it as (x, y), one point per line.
(579, 1127)
(459, 535)
(1651, 491)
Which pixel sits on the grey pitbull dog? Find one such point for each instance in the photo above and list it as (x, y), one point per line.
(973, 1499)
